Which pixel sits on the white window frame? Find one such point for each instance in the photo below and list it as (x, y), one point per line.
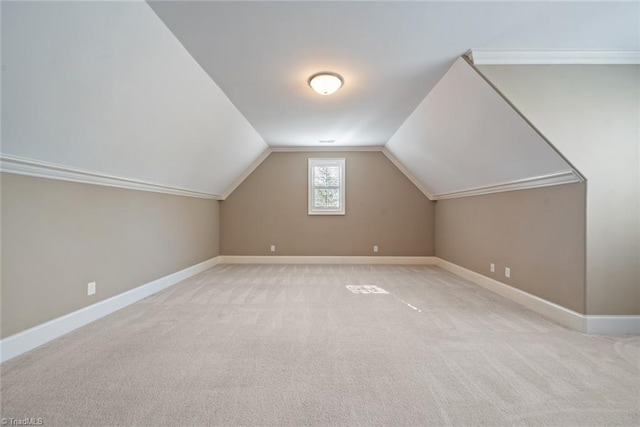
(313, 162)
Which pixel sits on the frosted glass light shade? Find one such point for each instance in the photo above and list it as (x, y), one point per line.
(325, 83)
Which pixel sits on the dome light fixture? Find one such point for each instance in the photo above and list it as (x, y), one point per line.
(326, 83)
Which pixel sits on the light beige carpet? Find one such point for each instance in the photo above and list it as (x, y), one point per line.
(292, 345)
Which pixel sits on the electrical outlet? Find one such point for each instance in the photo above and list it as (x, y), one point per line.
(492, 266)
(273, 248)
(507, 272)
(375, 248)
(91, 288)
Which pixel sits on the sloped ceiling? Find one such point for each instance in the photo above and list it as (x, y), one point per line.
(188, 94)
(391, 54)
(105, 87)
(464, 136)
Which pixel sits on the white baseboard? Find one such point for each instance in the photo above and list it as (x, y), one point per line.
(388, 260)
(24, 341)
(612, 325)
(590, 324)
(562, 315)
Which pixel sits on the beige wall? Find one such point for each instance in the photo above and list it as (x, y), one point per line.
(591, 113)
(58, 236)
(382, 208)
(538, 233)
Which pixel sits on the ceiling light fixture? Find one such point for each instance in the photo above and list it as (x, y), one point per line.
(326, 83)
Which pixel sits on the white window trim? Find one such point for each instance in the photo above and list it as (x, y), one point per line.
(333, 162)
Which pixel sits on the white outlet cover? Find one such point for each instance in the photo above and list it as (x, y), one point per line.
(91, 288)
(507, 272)
(273, 248)
(492, 266)
(375, 248)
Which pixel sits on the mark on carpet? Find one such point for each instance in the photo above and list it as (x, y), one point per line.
(366, 289)
(409, 305)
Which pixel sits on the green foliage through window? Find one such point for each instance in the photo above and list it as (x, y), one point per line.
(326, 186)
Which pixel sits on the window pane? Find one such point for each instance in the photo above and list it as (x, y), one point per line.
(327, 198)
(326, 176)
(320, 176)
(326, 186)
(333, 175)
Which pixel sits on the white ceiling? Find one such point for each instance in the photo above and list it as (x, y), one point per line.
(464, 136)
(390, 54)
(185, 94)
(105, 87)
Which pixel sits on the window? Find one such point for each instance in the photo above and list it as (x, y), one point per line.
(326, 186)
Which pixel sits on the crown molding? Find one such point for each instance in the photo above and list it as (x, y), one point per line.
(554, 57)
(298, 149)
(326, 148)
(408, 174)
(565, 177)
(30, 167)
(248, 172)
(467, 58)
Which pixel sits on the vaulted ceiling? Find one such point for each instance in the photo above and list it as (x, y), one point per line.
(188, 95)
(391, 54)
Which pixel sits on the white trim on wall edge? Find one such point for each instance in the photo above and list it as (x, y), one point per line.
(565, 177)
(286, 149)
(554, 57)
(30, 167)
(590, 324)
(339, 148)
(284, 259)
(612, 325)
(558, 313)
(393, 159)
(246, 173)
(29, 339)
